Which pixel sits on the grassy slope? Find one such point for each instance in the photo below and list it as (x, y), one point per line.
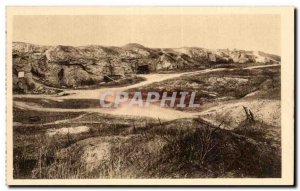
(143, 148)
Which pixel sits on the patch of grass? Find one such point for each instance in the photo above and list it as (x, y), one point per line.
(25, 116)
(64, 103)
(208, 151)
(185, 148)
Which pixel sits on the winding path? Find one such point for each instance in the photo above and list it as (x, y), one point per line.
(153, 111)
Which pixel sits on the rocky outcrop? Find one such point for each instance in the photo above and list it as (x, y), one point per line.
(39, 69)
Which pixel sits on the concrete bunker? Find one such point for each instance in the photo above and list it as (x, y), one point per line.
(212, 57)
(21, 74)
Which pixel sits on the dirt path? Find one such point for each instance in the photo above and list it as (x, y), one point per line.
(153, 111)
(150, 78)
(95, 93)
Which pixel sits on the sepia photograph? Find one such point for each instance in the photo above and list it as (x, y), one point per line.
(150, 95)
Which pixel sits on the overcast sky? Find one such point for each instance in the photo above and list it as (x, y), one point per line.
(249, 32)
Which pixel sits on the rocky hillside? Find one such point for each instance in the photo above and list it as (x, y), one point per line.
(41, 69)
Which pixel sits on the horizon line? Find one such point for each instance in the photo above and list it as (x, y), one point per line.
(147, 47)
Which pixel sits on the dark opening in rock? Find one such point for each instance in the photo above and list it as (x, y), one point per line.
(35, 72)
(61, 74)
(143, 69)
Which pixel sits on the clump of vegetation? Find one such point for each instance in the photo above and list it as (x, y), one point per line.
(208, 151)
